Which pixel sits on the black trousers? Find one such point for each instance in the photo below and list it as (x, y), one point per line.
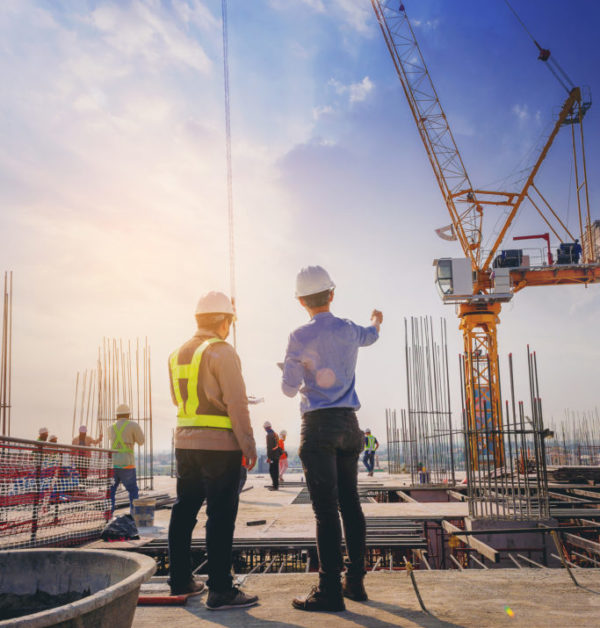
(213, 476)
(330, 444)
(274, 471)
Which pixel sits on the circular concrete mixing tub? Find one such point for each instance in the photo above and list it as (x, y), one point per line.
(113, 578)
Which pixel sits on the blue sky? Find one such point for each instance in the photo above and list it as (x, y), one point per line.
(113, 200)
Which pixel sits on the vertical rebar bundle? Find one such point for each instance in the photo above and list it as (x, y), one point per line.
(428, 435)
(517, 489)
(122, 375)
(6, 355)
(400, 444)
(576, 440)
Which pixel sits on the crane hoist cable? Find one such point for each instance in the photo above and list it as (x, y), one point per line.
(251, 398)
(229, 168)
(545, 55)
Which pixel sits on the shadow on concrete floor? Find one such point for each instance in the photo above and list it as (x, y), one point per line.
(417, 617)
(243, 618)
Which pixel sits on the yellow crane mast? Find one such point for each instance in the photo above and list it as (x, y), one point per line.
(480, 282)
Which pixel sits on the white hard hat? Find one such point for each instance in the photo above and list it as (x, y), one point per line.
(83, 429)
(368, 430)
(312, 280)
(214, 303)
(43, 430)
(267, 424)
(123, 410)
(283, 433)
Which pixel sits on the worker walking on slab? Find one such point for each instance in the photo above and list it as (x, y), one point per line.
(320, 362)
(371, 446)
(213, 431)
(124, 435)
(273, 454)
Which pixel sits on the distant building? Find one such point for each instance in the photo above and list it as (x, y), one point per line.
(263, 465)
(595, 231)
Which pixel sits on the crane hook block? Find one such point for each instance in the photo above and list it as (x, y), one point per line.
(544, 55)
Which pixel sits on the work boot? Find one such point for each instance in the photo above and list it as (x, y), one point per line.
(318, 600)
(354, 588)
(193, 587)
(234, 598)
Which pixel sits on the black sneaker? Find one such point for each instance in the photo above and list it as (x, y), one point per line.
(317, 600)
(194, 587)
(234, 598)
(272, 488)
(354, 589)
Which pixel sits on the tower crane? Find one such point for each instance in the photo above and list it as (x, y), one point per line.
(481, 281)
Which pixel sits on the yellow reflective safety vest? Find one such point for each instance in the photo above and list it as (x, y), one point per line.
(187, 411)
(123, 458)
(119, 444)
(370, 444)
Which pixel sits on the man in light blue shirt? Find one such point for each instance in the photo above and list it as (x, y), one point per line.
(319, 363)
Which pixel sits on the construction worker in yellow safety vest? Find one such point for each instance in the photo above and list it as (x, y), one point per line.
(124, 434)
(213, 432)
(371, 446)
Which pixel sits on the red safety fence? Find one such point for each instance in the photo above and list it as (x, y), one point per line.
(51, 494)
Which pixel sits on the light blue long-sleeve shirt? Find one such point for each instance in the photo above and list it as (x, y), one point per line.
(321, 359)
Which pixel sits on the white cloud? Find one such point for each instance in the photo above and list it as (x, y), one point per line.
(357, 92)
(140, 30)
(521, 111)
(523, 114)
(315, 5)
(425, 24)
(355, 14)
(322, 110)
(113, 172)
(196, 14)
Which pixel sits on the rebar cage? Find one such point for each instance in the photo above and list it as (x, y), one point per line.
(423, 443)
(505, 457)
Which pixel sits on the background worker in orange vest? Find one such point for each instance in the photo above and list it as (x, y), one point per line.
(283, 460)
(83, 455)
(213, 431)
(85, 440)
(124, 434)
(243, 474)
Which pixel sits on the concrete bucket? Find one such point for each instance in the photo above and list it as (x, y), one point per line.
(71, 587)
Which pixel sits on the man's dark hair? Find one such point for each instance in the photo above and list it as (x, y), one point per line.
(318, 299)
(211, 322)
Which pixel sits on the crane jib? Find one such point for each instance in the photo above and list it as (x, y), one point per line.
(465, 203)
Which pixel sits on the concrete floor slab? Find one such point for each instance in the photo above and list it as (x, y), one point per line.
(467, 599)
(285, 519)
